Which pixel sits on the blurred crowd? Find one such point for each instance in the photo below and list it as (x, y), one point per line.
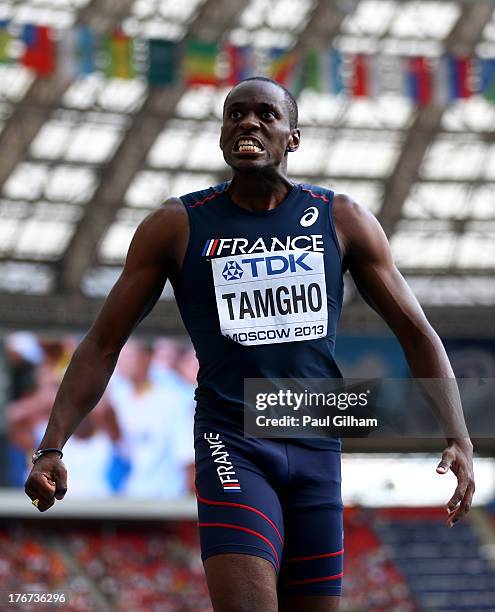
(148, 566)
(373, 581)
(157, 568)
(29, 564)
(101, 566)
(138, 440)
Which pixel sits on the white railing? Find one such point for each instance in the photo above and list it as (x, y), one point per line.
(14, 503)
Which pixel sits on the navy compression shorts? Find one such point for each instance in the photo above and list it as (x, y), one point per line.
(273, 499)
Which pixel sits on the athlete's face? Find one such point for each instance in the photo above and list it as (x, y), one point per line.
(256, 132)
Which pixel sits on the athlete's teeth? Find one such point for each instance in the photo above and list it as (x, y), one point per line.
(248, 146)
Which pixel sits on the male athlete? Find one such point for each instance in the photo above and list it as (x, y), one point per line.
(249, 260)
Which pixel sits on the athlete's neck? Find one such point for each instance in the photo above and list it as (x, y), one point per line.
(258, 192)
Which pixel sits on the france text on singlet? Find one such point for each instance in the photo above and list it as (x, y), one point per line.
(260, 295)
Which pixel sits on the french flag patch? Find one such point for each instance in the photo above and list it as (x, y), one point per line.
(210, 247)
(232, 486)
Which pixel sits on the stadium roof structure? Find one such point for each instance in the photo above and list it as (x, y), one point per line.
(83, 162)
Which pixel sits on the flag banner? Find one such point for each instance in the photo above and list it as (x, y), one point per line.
(39, 49)
(311, 74)
(389, 75)
(5, 40)
(487, 78)
(67, 64)
(239, 64)
(475, 76)
(373, 76)
(201, 63)
(335, 72)
(87, 49)
(76, 52)
(119, 62)
(296, 84)
(419, 80)
(282, 65)
(459, 73)
(442, 90)
(162, 62)
(358, 84)
(261, 61)
(322, 72)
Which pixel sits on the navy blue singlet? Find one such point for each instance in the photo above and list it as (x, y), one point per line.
(260, 295)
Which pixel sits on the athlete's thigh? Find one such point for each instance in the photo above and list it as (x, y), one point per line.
(241, 583)
(239, 517)
(312, 564)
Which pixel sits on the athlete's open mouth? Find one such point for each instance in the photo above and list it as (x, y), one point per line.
(248, 144)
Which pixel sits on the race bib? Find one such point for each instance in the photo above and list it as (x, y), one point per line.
(267, 298)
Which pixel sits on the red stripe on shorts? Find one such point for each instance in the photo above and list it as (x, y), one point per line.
(239, 528)
(311, 580)
(323, 556)
(235, 505)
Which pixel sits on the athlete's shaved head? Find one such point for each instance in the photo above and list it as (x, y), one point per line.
(289, 98)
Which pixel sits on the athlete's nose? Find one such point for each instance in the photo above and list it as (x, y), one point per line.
(249, 121)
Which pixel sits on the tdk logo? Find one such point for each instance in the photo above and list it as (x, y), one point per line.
(270, 265)
(232, 271)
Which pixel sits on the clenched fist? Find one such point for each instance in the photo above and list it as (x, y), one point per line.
(47, 481)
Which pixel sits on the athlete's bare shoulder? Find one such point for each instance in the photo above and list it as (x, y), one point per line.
(357, 228)
(162, 236)
(170, 217)
(349, 216)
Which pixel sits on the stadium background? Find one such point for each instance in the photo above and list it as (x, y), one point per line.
(98, 125)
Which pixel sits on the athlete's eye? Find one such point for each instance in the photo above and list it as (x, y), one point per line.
(268, 115)
(235, 115)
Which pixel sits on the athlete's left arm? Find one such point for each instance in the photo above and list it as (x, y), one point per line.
(367, 256)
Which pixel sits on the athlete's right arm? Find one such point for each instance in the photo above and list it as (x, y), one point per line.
(155, 254)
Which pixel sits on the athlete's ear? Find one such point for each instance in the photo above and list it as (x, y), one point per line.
(294, 141)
